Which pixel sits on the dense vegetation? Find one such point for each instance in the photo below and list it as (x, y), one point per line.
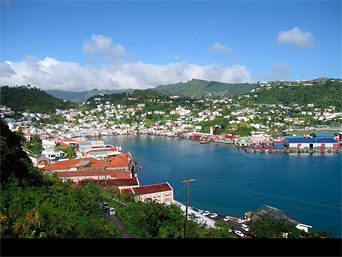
(321, 94)
(153, 220)
(34, 145)
(266, 227)
(202, 88)
(221, 125)
(30, 99)
(35, 206)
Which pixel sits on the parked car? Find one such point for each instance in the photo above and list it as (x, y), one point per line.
(239, 233)
(206, 213)
(104, 205)
(227, 218)
(111, 211)
(213, 215)
(200, 211)
(245, 227)
(240, 221)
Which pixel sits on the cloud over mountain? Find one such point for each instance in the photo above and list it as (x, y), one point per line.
(49, 73)
(118, 72)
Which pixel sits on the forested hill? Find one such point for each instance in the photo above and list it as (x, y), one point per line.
(320, 93)
(197, 87)
(30, 99)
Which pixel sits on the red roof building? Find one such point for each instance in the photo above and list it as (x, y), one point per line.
(122, 183)
(160, 193)
(94, 174)
(119, 162)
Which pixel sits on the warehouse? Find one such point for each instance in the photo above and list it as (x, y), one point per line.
(310, 143)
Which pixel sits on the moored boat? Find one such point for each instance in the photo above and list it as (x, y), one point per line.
(204, 142)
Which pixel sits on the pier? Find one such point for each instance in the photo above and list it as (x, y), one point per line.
(290, 150)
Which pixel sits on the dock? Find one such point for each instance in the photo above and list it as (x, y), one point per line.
(290, 150)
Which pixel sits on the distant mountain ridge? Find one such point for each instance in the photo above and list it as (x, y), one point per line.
(79, 97)
(201, 88)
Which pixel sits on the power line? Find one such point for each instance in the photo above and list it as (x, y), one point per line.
(179, 191)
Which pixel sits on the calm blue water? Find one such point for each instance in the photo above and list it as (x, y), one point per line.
(230, 181)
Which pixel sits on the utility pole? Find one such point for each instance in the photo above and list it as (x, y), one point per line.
(187, 203)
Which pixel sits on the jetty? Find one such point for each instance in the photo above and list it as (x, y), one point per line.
(290, 150)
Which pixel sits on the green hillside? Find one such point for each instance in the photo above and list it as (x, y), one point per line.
(320, 93)
(201, 88)
(29, 99)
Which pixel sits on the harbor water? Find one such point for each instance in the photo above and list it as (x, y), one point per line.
(231, 182)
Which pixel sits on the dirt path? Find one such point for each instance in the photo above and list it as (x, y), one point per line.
(117, 223)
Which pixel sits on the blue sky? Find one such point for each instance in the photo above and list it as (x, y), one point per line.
(80, 45)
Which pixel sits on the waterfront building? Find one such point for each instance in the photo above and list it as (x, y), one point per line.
(95, 175)
(323, 135)
(161, 193)
(119, 162)
(310, 143)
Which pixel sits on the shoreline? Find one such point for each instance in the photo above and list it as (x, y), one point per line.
(246, 148)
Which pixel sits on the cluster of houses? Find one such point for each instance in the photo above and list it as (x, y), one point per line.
(103, 165)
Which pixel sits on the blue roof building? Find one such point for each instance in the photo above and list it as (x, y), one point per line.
(323, 134)
(310, 142)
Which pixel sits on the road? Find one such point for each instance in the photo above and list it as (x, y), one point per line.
(117, 223)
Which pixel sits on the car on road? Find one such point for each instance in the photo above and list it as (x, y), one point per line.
(105, 205)
(227, 218)
(239, 233)
(240, 221)
(245, 227)
(214, 215)
(111, 211)
(206, 213)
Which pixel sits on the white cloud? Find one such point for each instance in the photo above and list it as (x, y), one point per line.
(297, 37)
(103, 45)
(118, 73)
(218, 47)
(50, 73)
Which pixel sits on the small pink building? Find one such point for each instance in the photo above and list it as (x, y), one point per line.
(256, 140)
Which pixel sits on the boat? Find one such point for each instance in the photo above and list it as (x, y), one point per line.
(204, 142)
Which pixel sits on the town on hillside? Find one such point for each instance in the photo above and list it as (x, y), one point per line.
(68, 141)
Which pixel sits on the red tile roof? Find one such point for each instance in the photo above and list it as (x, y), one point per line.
(118, 174)
(121, 160)
(67, 164)
(113, 182)
(102, 150)
(127, 191)
(149, 189)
